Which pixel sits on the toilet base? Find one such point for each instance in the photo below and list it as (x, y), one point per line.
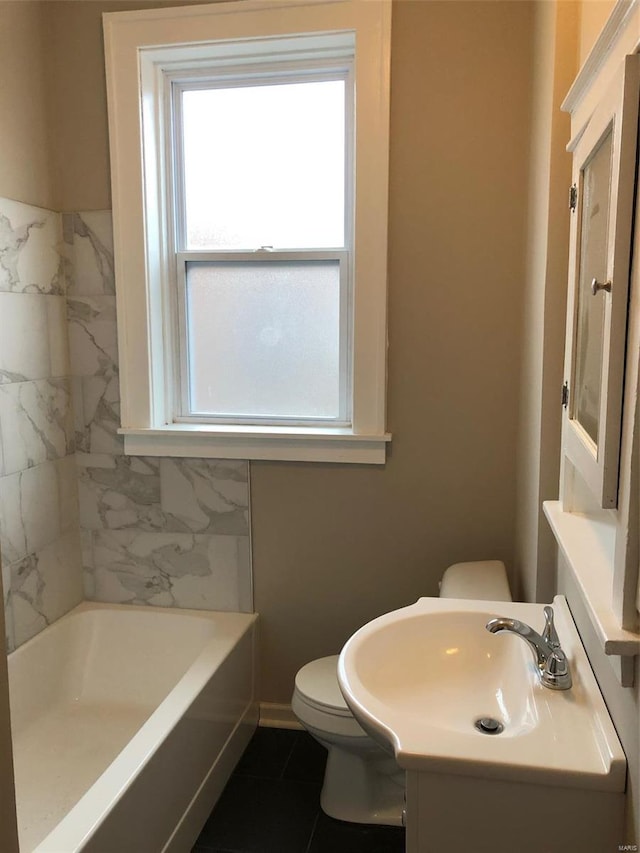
(351, 792)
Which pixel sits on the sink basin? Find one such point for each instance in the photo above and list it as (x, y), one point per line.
(419, 678)
(447, 671)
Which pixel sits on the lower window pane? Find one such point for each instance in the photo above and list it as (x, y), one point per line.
(264, 338)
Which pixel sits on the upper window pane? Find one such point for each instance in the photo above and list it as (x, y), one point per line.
(264, 165)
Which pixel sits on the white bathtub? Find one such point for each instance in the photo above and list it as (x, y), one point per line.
(127, 722)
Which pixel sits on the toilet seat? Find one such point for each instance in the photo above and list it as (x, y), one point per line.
(318, 702)
(317, 685)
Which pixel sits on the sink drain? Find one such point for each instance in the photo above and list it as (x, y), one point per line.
(489, 726)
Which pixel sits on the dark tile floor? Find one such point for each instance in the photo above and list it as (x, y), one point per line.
(272, 805)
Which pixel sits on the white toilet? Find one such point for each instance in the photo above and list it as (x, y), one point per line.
(362, 782)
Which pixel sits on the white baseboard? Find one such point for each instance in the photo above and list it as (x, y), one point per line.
(275, 716)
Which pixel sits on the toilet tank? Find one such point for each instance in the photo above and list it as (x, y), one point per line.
(484, 580)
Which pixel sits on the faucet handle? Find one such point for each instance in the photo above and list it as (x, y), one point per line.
(549, 633)
(556, 672)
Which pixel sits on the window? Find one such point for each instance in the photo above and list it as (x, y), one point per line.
(263, 249)
(250, 197)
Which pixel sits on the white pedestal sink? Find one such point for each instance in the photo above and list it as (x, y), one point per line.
(552, 780)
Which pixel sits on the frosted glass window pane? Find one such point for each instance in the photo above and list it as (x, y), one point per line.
(593, 264)
(265, 166)
(264, 338)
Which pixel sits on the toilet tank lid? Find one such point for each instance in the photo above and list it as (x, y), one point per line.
(481, 580)
(317, 681)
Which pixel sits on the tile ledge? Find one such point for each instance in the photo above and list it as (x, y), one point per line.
(587, 545)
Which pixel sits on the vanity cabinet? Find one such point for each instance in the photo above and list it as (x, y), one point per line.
(448, 813)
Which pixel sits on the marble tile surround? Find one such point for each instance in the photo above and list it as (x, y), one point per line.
(169, 569)
(36, 421)
(168, 532)
(158, 531)
(39, 521)
(171, 532)
(163, 495)
(31, 256)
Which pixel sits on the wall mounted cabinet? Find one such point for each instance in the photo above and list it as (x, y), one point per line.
(596, 521)
(602, 202)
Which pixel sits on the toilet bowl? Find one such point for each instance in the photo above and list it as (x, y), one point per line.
(363, 783)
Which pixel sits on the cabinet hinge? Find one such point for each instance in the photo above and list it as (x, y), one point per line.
(565, 395)
(573, 198)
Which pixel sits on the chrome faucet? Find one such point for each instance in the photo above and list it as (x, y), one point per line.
(551, 661)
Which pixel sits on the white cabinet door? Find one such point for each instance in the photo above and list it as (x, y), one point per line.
(605, 164)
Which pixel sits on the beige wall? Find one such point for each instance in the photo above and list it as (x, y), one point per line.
(25, 173)
(77, 90)
(80, 150)
(53, 133)
(593, 16)
(335, 546)
(556, 64)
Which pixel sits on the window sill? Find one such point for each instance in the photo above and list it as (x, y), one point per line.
(587, 545)
(288, 444)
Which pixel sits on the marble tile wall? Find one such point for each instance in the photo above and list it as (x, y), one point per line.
(40, 545)
(78, 517)
(158, 531)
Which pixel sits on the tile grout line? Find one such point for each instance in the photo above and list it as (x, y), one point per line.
(294, 741)
(313, 831)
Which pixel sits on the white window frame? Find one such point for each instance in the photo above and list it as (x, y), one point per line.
(143, 50)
